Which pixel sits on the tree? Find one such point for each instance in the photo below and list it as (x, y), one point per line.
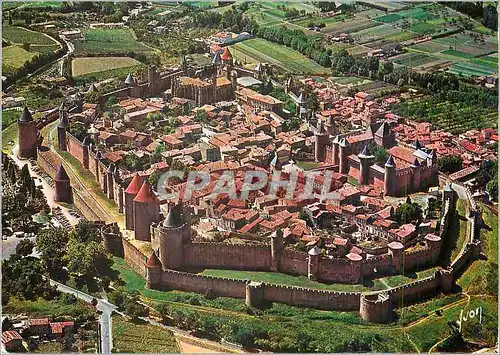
(52, 244)
(408, 212)
(380, 153)
(111, 101)
(450, 163)
(26, 46)
(25, 247)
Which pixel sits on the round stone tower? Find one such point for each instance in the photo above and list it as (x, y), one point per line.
(366, 160)
(28, 135)
(153, 272)
(110, 180)
(343, 152)
(390, 177)
(171, 236)
(396, 251)
(62, 185)
(276, 247)
(321, 141)
(146, 211)
(433, 241)
(375, 307)
(445, 277)
(313, 263)
(130, 193)
(254, 294)
(62, 127)
(335, 151)
(415, 167)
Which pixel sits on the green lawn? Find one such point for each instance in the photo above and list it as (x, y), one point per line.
(85, 65)
(428, 333)
(307, 165)
(9, 135)
(13, 58)
(482, 275)
(129, 337)
(118, 40)
(463, 228)
(259, 50)
(284, 279)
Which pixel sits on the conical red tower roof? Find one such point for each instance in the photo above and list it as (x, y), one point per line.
(61, 174)
(135, 185)
(145, 194)
(153, 261)
(226, 55)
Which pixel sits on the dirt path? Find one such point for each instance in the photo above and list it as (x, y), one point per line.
(187, 348)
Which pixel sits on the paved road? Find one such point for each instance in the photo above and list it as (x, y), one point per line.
(105, 318)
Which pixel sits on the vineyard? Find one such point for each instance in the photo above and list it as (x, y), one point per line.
(109, 41)
(456, 111)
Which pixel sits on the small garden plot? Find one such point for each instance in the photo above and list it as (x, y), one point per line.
(453, 40)
(374, 33)
(430, 47)
(388, 18)
(472, 69)
(491, 62)
(358, 50)
(86, 65)
(458, 54)
(349, 26)
(412, 59)
(426, 28)
(435, 65)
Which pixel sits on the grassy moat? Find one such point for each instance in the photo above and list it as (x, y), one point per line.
(281, 328)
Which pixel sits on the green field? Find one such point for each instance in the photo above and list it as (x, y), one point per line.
(13, 58)
(473, 69)
(21, 35)
(259, 50)
(388, 18)
(413, 59)
(129, 337)
(458, 54)
(482, 275)
(86, 65)
(117, 40)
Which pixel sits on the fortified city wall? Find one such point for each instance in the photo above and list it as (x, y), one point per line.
(375, 307)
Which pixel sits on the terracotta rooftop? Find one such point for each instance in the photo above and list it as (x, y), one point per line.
(153, 261)
(145, 194)
(135, 185)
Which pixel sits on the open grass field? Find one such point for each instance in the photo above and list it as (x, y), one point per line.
(284, 279)
(117, 40)
(259, 50)
(482, 275)
(85, 65)
(129, 337)
(412, 59)
(472, 69)
(458, 54)
(13, 58)
(349, 26)
(21, 35)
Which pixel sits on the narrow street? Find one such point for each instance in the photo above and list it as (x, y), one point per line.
(104, 319)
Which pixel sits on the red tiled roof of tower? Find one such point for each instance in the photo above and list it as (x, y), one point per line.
(226, 55)
(145, 194)
(135, 185)
(10, 335)
(153, 261)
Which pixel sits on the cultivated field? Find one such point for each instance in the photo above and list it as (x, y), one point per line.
(129, 337)
(86, 65)
(21, 35)
(109, 41)
(13, 57)
(258, 50)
